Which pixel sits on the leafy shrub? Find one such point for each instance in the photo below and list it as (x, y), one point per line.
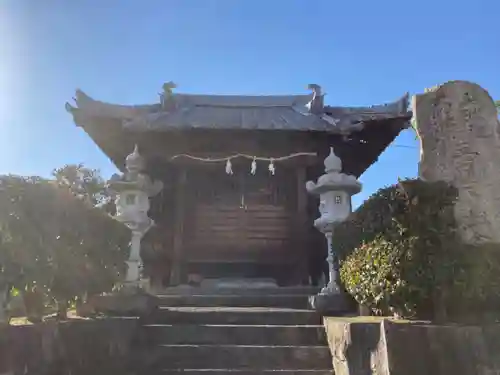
(397, 251)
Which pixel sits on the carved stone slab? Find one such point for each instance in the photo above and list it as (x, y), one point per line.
(458, 126)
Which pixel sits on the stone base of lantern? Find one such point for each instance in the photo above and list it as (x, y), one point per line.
(331, 301)
(136, 287)
(126, 302)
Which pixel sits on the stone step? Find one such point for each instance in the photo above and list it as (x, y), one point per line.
(302, 335)
(235, 315)
(244, 372)
(209, 300)
(196, 357)
(242, 291)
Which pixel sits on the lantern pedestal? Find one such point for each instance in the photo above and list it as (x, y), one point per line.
(330, 302)
(332, 299)
(130, 301)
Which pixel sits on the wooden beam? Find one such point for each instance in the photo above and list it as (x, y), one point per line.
(177, 257)
(302, 192)
(301, 225)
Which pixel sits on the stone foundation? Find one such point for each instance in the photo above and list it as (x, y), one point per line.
(78, 347)
(368, 345)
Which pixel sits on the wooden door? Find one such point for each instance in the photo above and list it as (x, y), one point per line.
(241, 218)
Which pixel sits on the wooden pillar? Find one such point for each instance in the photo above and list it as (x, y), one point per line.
(302, 229)
(180, 205)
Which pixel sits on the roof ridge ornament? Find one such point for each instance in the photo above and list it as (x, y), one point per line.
(316, 105)
(315, 88)
(168, 88)
(167, 94)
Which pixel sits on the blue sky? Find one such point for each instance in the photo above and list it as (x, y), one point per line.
(361, 52)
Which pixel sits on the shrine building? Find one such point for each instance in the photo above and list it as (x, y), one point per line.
(234, 171)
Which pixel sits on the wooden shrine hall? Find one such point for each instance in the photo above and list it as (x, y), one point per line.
(234, 169)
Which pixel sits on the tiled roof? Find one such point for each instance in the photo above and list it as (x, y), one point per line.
(224, 112)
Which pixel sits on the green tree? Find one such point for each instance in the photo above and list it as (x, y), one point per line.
(24, 255)
(86, 184)
(55, 244)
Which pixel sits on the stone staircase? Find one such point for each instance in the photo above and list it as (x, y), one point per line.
(235, 331)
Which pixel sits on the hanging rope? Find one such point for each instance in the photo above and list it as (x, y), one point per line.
(246, 156)
(253, 166)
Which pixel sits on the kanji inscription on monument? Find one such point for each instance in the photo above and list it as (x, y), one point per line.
(458, 127)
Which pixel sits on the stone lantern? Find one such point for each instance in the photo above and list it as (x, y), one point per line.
(334, 190)
(133, 190)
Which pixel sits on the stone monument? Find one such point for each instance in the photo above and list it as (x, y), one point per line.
(334, 190)
(133, 190)
(458, 127)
